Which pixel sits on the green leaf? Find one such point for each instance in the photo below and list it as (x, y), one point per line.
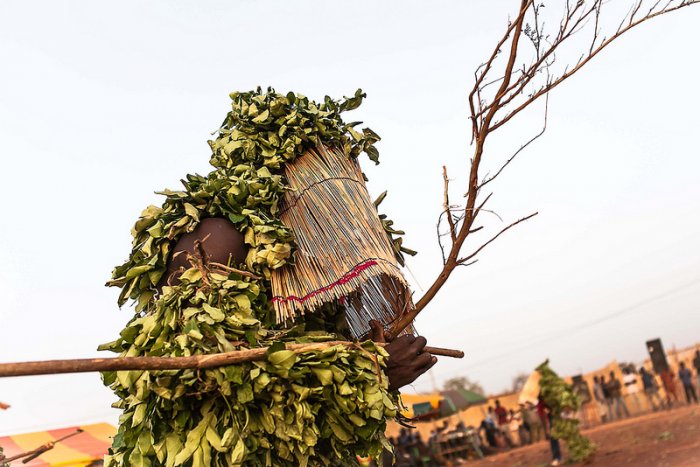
(276, 347)
(243, 302)
(192, 211)
(283, 358)
(262, 117)
(191, 275)
(137, 271)
(245, 393)
(234, 373)
(113, 346)
(214, 439)
(216, 314)
(373, 154)
(238, 453)
(194, 439)
(324, 375)
(139, 415)
(379, 199)
(136, 459)
(236, 218)
(340, 432)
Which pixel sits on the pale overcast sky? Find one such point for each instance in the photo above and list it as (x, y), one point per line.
(102, 103)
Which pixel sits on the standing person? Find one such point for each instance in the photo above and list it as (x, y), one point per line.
(696, 364)
(607, 397)
(404, 438)
(492, 420)
(545, 414)
(204, 223)
(417, 438)
(615, 391)
(629, 379)
(686, 377)
(490, 416)
(534, 422)
(651, 389)
(502, 422)
(668, 379)
(514, 427)
(599, 396)
(525, 429)
(489, 429)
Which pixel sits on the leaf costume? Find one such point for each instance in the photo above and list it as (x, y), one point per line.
(563, 402)
(318, 407)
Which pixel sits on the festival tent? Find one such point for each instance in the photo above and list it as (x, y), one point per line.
(439, 404)
(455, 400)
(77, 451)
(420, 405)
(439, 407)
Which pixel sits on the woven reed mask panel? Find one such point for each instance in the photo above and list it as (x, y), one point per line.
(343, 253)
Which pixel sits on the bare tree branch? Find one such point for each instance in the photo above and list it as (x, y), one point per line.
(476, 90)
(528, 143)
(588, 57)
(447, 206)
(519, 87)
(503, 230)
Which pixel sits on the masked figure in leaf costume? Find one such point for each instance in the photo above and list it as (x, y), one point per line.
(562, 404)
(276, 245)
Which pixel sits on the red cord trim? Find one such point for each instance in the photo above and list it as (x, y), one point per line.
(350, 275)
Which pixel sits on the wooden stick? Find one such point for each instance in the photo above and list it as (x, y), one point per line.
(444, 352)
(34, 453)
(85, 365)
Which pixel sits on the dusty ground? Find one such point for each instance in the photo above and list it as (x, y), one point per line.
(670, 438)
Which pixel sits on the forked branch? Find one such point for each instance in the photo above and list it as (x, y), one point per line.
(518, 89)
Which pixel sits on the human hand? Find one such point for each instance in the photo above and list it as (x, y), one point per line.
(407, 357)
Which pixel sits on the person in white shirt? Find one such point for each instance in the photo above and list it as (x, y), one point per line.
(629, 380)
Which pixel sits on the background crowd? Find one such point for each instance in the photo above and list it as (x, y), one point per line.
(609, 398)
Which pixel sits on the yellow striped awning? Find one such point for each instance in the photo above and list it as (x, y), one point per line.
(77, 451)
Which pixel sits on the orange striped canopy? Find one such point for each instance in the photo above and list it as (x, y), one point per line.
(79, 450)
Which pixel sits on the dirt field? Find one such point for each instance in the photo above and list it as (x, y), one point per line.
(669, 438)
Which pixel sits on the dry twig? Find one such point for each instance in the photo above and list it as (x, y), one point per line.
(518, 88)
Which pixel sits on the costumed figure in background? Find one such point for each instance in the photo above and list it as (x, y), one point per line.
(279, 244)
(557, 406)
